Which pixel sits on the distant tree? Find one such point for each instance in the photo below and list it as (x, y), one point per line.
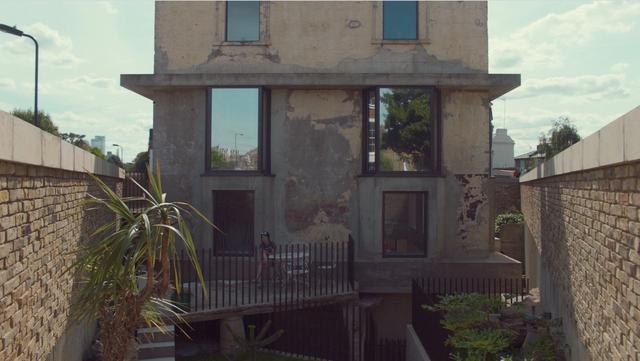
(115, 160)
(218, 159)
(77, 140)
(98, 153)
(561, 136)
(408, 124)
(46, 123)
(140, 162)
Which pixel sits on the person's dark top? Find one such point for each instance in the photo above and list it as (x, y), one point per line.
(269, 247)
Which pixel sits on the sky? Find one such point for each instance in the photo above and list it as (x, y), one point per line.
(579, 59)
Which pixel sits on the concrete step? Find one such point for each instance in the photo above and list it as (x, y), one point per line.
(151, 351)
(154, 345)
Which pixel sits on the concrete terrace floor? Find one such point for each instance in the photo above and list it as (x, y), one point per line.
(226, 297)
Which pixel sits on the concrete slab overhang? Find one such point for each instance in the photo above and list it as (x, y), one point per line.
(495, 84)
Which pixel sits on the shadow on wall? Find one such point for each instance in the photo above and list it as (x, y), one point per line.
(556, 287)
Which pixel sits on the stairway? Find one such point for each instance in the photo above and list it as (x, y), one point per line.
(154, 345)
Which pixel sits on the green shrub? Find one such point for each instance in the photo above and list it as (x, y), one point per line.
(507, 218)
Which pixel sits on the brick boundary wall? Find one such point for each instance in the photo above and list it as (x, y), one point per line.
(42, 218)
(584, 230)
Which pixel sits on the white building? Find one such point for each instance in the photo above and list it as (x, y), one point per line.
(502, 150)
(99, 142)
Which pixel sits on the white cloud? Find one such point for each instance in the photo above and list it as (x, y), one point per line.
(587, 87)
(87, 80)
(619, 67)
(55, 49)
(6, 83)
(108, 7)
(541, 43)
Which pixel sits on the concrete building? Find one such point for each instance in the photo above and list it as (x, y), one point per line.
(366, 119)
(502, 150)
(99, 142)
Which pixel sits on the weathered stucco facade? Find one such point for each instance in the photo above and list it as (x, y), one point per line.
(317, 58)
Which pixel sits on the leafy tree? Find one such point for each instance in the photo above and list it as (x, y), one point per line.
(115, 160)
(98, 153)
(408, 124)
(46, 123)
(218, 160)
(76, 139)
(128, 248)
(140, 162)
(561, 136)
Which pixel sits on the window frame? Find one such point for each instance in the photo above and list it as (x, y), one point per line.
(416, 38)
(221, 252)
(436, 134)
(264, 134)
(425, 205)
(226, 25)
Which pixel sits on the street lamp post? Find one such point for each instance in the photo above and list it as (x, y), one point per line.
(235, 145)
(14, 31)
(120, 151)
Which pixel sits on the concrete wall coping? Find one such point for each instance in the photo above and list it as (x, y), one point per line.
(617, 142)
(22, 142)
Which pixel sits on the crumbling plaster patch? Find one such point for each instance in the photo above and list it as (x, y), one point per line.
(473, 209)
(322, 150)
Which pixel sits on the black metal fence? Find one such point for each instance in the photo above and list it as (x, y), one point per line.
(297, 271)
(427, 291)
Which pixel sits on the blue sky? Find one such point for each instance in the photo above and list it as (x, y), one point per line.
(578, 59)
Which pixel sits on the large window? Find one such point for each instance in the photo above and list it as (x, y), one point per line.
(401, 131)
(400, 20)
(233, 213)
(404, 230)
(243, 20)
(237, 130)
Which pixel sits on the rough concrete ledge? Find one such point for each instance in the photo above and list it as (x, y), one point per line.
(22, 142)
(495, 84)
(617, 142)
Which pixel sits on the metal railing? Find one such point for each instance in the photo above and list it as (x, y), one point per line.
(297, 271)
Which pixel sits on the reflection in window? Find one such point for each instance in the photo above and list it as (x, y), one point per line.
(233, 214)
(399, 20)
(235, 114)
(404, 228)
(405, 129)
(243, 20)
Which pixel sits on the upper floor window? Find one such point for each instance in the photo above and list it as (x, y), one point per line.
(400, 20)
(401, 130)
(237, 129)
(243, 21)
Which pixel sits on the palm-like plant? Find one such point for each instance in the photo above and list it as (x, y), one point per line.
(133, 246)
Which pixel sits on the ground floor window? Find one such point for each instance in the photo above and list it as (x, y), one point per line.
(404, 227)
(233, 214)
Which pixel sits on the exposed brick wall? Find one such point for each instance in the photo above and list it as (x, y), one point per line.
(586, 227)
(42, 219)
(506, 195)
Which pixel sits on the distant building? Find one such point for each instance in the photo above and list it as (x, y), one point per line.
(528, 160)
(502, 151)
(99, 142)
